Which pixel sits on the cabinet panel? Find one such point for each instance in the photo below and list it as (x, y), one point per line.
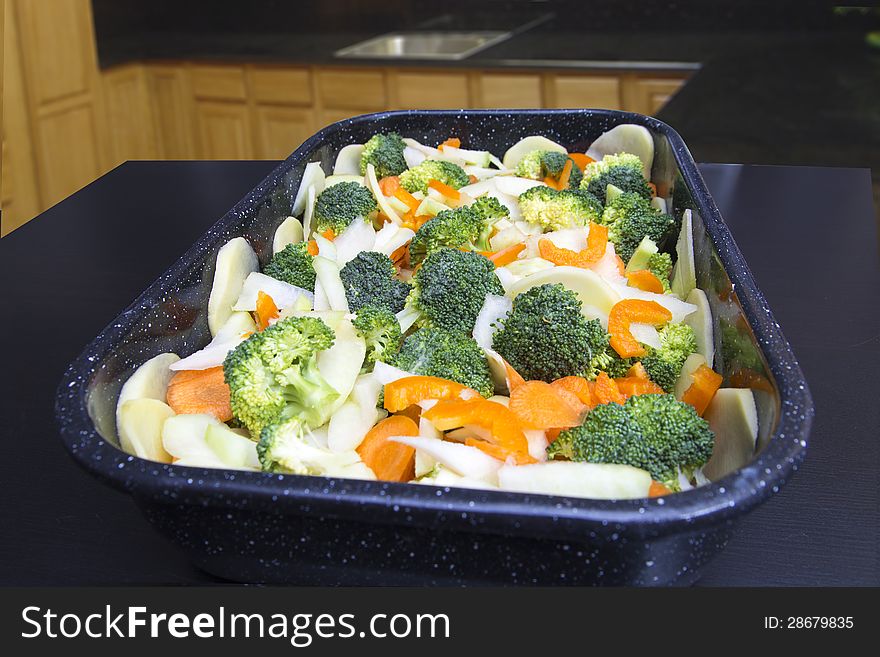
(218, 82)
(510, 91)
(281, 130)
(283, 86)
(67, 150)
(129, 127)
(174, 112)
(418, 90)
(342, 89)
(224, 131)
(649, 95)
(584, 91)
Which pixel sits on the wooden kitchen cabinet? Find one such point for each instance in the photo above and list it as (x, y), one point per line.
(595, 91)
(130, 122)
(508, 90)
(418, 89)
(224, 130)
(649, 95)
(173, 108)
(281, 130)
(351, 89)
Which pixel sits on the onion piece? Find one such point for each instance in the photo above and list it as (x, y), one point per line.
(348, 161)
(357, 237)
(283, 294)
(313, 176)
(461, 459)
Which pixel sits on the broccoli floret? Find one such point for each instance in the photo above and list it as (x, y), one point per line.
(737, 348)
(623, 170)
(546, 337)
(664, 364)
(417, 178)
(467, 227)
(340, 204)
(385, 153)
(630, 218)
(448, 355)
(369, 279)
(283, 448)
(539, 164)
(273, 375)
(381, 331)
(553, 210)
(293, 264)
(656, 433)
(449, 289)
(660, 264)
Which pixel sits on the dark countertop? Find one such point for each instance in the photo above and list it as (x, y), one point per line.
(100, 248)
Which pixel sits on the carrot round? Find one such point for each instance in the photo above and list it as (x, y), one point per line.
(389, 460)
(506, 255)
(644, 280)
(266, 310)
(705, 385)
(539, 405)
(514, 378)
(578, 386)
(411, 390)
(389, 184)
(605, 390)
(200, 391)
(629, 311)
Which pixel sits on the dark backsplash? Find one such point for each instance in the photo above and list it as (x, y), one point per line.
(118, 18)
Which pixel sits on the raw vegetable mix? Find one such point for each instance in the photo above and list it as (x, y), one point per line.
(436, 315)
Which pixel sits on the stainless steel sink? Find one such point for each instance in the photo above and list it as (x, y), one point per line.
(424, 45)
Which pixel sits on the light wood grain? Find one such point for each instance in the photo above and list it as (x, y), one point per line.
(174, 111)
(501, 90)
(424, 90)
(281, 130)
(224, 130)
(130, 128)
(218, 82)
(350, 89)
(281, 86)
(579, 91)
(649, 95)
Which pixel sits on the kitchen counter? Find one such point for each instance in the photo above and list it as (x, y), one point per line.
(101, 247)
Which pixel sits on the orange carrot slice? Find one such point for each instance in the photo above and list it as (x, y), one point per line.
(389, 184)
(411, 201)
(329, 234)
(621, 265)
(455, 142)
(626, 312)
(578, 386)
(539, 405)
(266, 310)
(605, 390)
(562, 183)
(644, 280)
(444, 189)
(514, 378)
(389, 460)
(312, 248)
(705, 385)
(503, 425)
(506, 255)
(581, 159)
(559, 255)
(658, 490)
(597, 243)
(630, 386)
(200, 391)
(412, 389)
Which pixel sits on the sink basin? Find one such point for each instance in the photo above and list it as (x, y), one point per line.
(424, 45)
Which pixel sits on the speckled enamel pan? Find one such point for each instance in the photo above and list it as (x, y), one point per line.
(248, 526)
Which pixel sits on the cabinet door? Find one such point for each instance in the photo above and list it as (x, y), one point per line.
(649, 95)
(347, 89)
(420, 90)
(584, 91)
(129, 127)
(509, 90)
(281, 130)
(281, 86)
(224, 130)
(174, 111)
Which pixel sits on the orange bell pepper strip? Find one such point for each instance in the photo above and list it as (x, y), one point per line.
(505, 428)
(329, 234)
(389, 460)
(559, 255)
(444, 189)
(266, 310)
(644, 279)
(658, 490)
(312, 248)
(605, 390)
(388, 185)
(629, 311)
(703, 389)
(564, 177)
(506, 255)
(638, 371)
(411, 201)
(455, 142)
(597, 243)
(411, 390)
(581, 159)
(630, 386)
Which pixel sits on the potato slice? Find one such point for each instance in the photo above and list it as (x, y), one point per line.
(594, 293)
(289, 231)
(313, 176)
(684, 277)
(183, 436)
(626, 138)
(526, 145)
(140, 428)
(149, 381)
(348, 161)
(701, 321)
(235, 260)
(601, 481)
(733, 416)
(234, 450)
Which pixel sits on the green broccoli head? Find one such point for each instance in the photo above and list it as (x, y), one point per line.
(340, 204)
(385, 153)
(449, 289)
(370, 279)
(553, 210)
(417, 178)
(677, 342)
(448, 355)
(546, 337)
(540, 164)
(656, 433)
(660, 264)
(273, 375)
(283, 448)
(630, 218)
(623, 170)
(381, 331)
(466, 227)
(293, 264)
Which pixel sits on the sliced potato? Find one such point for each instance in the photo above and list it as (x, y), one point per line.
(594, 293)
(183, 436)
(234, 450)
(341, 363)
(526, 145)
(348, 161)
(684, 276)
(289, 231)
(684, 381)
(313, 176)
(140, 428)
(626, 138)
(150, 380)
(567, 478)
(235, 260)
(701, 321)
(733, 417)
